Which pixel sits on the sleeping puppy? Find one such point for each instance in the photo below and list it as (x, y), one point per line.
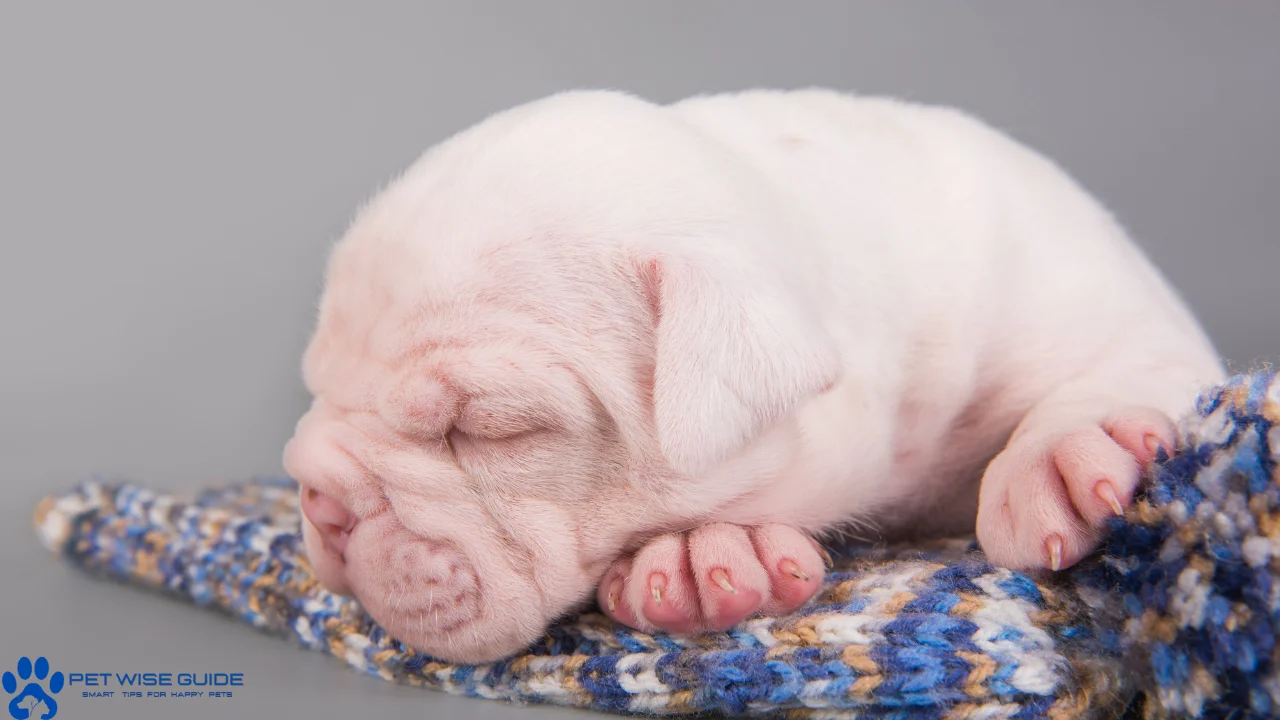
(597, 348)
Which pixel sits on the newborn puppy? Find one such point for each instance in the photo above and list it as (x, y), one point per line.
(594, 347)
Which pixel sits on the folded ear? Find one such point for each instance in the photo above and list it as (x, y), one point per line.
(736, 352)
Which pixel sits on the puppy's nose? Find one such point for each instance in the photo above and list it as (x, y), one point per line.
(331, 518)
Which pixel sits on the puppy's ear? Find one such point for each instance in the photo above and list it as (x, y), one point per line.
(736, 352)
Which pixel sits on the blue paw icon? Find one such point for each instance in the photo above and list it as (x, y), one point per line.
(33, 693)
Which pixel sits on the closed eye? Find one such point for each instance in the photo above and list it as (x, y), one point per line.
(457, 438)
(490, 420)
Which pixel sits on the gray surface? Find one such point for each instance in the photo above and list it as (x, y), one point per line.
(170, 180)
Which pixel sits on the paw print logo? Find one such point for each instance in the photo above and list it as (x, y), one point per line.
(33, 694)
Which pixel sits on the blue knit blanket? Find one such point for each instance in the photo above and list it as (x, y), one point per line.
(1175, 617)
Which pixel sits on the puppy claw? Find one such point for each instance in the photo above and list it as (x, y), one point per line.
(1153, 444)
(615, 589)
(827, 562)
(713, 577)
(1054, 545)
(1046, 500)
(1107, 493)
(721, 578)
(789, 567)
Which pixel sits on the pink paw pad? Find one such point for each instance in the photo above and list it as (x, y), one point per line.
(712, 578)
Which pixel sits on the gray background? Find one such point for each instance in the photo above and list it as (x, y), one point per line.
(170, 180)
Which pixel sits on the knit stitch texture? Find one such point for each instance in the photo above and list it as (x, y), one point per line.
(1177, 615)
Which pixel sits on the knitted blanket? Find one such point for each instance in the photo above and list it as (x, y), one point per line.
(1177, 615)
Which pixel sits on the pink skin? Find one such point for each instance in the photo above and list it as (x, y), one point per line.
(1047, 497)
(712, 578)
(492, 431)
(708, 579)
(580, 353)
(330, 518)
(391, 517)
(384, 522)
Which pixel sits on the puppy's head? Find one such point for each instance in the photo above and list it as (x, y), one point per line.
(559, 333)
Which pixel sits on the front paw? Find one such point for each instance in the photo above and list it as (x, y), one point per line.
(1045, 500)
(711, 578)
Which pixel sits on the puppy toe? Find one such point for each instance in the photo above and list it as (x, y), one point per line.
(1142, 431)
(1049, 532)
(712, 578)
(662, 585)
(731, 582)
(793, 564)
(612, 595)
(1100, 476)
(1026, 517)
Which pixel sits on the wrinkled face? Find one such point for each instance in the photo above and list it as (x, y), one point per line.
(452, 490)
(533, 351)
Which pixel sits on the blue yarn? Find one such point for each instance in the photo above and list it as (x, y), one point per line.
(1176, 611)
(1220, 634)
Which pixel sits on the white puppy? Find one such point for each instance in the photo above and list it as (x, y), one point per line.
(594, 342)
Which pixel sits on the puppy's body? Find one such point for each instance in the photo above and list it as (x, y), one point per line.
(578, 330)
(965, 278)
